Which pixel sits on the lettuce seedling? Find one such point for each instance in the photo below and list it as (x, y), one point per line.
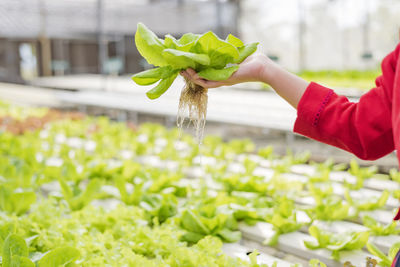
(336, 242)
(199, 224)
(385, 260)
(329, 208)
(284, 220)
(394, 174)
(15, 202)
(211, 57)
(62, 256)
(379, 229)
(370, 203)
(316, 263)
(76, 198)
(15, 252)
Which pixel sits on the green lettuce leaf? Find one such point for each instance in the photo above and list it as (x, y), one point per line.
(184, 44)
(234, 40)
(149, 46)
(316, 263)
(379, 229)
(192, 223)
(336, 242)
(15, 202)
(59, 257)
(163, 86)
(207, 54)
(385, 261)
(15, 252)
(219, 51)
(152, 76)
(218, 74)
(183, 60)
(188, 38)
(246, 51)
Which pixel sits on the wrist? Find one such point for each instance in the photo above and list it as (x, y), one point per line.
(269, 71)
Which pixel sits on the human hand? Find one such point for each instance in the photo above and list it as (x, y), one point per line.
(252, 69)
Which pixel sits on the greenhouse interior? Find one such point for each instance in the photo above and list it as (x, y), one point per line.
(199, 133)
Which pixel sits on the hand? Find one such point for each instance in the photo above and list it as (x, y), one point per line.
(250, 70)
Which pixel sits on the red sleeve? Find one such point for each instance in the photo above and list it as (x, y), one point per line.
(363, 128)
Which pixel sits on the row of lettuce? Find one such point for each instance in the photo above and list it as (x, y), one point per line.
(363, 80)
(77, 192)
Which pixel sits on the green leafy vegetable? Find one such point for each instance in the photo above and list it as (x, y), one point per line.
(218, 74)
(284, 220)
(329, 208)
(336, 242)
(206, 53)
(378, 229)
(76, 198)
(246, 51)
(385, 260)
(161, 87)
(153, 75)
(198, 225)
(370, 203)
(149, 46)
(234, 41)
(316, 263)
(15, 252)
(15, 202)
(62, 256)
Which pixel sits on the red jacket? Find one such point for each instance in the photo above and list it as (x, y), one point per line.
(370, 129)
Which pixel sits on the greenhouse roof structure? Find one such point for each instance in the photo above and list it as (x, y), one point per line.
(82, 19)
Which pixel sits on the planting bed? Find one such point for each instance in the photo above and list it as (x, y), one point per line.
(84, 191)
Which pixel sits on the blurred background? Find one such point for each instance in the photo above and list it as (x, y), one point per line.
(62, 37)
(84, 51)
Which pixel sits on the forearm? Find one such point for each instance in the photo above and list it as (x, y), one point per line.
(287, 85)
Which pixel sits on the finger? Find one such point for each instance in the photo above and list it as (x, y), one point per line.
(194, 77)
(184, 74)
(208, 84)
(193, 74)
(212, 84)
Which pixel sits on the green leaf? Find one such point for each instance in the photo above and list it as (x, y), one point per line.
(192, 223)
(316, 263)
(183, 60)
(15, 202)
(170, 42)
(163, 86)
(188, 38)
(219, 51)
(246, 51)
(20, 261)
(191, 237)
(234, 41)
(59, 257)
(253, 257)
(149, 46)
(185, 44)
(383, 198)
(13, 246)
(152, 76)
(378, 229)
(394, 250)
(385, 261)
(5, 230)
(230, 236)
(218, 74)
(336, 242)
(22, 201)
(91, 190)
(311, 244)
